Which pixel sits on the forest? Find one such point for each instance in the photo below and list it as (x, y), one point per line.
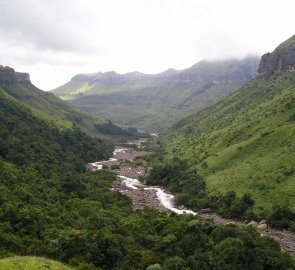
(51, 207)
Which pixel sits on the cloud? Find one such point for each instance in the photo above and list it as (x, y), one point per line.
(64, 37)
(44, 24)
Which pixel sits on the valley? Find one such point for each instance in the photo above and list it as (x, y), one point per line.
(189, 169)
(245, 142)
(154, 102)
(124, 163)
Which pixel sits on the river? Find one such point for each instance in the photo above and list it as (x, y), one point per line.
(142, 195)
(128, 183)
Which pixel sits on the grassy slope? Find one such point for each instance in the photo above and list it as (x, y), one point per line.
(55, 111)
(288, 44)
(244, 143)
(52, 109)
(75, 90)
(76, 218)
(156, 104)
(154, 108)
(30, 263)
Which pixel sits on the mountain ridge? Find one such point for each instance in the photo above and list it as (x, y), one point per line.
(50, 108)
(281, 59)
(9, 76)
(155, 101)
(244, 142)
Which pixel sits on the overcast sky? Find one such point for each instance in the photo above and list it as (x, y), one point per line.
(56, 39)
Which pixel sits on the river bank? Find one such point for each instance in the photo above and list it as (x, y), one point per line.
(123, 164)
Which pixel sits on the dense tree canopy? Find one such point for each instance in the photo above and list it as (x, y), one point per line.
(50, 207)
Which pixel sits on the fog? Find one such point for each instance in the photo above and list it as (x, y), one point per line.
(53, 40)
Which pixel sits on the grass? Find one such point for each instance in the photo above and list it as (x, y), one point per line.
(31, 263)
(289, 43)
(245, 143)
(53, 110)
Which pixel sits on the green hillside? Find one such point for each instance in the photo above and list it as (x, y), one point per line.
(53, 110)
(154, 102)
(245, 143)
(26, 139)
(51, 207)
(30, 263)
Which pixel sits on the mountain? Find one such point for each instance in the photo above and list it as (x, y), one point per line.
(154, 102)
(245, 142)
(53, 110)
(26, 139)
(51, 207)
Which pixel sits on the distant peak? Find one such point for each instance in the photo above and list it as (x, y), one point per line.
(109, 77)
(9, 76)
(281, 59)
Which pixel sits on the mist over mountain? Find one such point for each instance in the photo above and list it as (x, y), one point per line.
(245, 142)
(155, 101)
(132, 164)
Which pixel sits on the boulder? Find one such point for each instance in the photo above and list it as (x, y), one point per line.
(262, 227)
(230, 223)
(263, 221)
(252, 223)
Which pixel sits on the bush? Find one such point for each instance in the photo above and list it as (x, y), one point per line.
(282, 218)
(115, 167)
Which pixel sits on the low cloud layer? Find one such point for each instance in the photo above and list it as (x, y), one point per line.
(54, 40)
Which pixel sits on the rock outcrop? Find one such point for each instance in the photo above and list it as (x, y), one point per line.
(9, 76)
(281, 59)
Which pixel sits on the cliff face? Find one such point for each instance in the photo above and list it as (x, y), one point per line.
(9, 76)
(281, 59)
(155, 101)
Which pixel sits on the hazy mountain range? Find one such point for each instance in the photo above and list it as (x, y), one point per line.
(234, 158)
(245, 142)
(154, 102)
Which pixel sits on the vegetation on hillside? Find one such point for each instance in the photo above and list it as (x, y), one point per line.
(154, 102)
(27, 140)
(31, 263)
(50, 208)
(58, 113)
(244, 143)
(77, 220)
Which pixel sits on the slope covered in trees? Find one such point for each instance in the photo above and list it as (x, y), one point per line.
(50, 207)
(53, 110)
(26, 140)
(245, 143)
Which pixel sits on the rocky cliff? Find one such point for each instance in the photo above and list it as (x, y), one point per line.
(9, 76)
(281, 59)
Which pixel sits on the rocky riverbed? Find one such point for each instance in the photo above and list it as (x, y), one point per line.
(285, 238)
(122, 163)
(160, 199)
